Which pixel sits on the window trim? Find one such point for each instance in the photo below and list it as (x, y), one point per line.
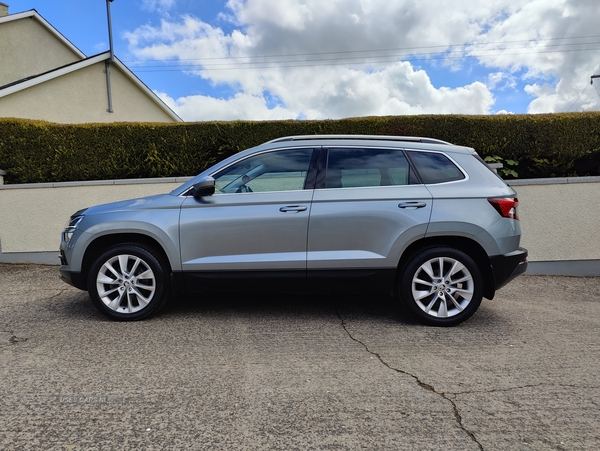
(324, 158)
(310, 173)
(452, 160)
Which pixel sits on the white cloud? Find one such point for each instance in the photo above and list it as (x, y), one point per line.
(501, 80)
(242, 106)
(283, 14)
(555, 43)
(397, 89)
(336, 71)
(101, 46)
(158, 5)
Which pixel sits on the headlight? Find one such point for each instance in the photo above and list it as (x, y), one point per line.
(72, 225)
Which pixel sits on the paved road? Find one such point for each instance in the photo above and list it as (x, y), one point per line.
(290, 372)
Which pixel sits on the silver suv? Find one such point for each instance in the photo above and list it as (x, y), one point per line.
(420, 218)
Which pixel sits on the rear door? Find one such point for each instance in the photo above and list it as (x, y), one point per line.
(368, 206)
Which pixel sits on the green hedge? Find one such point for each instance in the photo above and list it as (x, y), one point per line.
(550, 145)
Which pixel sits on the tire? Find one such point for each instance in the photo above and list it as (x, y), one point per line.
(441, 286)
(128, 283)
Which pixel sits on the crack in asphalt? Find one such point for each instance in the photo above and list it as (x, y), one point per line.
(497, 390)
(420, 383)
(13, 338)
(39, 290)
(60, 292)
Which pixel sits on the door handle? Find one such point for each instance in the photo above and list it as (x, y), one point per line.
(412, 205)
(292, 209)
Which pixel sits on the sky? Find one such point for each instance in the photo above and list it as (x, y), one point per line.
(330, 59)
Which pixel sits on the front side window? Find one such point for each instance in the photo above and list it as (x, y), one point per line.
(350, 168)
(283, 170)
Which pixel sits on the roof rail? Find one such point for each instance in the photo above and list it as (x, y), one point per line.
(362, 137)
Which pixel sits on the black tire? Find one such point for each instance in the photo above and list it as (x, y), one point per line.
(128, 283)
(441, 301)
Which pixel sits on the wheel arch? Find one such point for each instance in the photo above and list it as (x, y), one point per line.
(101, 243)
(466, 245)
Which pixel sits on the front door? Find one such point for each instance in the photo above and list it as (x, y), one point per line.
(255, 224)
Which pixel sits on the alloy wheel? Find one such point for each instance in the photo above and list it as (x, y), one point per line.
(442, 287)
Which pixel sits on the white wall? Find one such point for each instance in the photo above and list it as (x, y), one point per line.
(560, 218)
(33, 216)
(560, 221)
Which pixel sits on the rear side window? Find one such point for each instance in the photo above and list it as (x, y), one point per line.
(351, 168)
(435, 167)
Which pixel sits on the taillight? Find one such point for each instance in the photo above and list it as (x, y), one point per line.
(506, 206)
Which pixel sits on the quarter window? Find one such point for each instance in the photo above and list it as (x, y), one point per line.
(349, 168)
(435, 167)
(283, 170)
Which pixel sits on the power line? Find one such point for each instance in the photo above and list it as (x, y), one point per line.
(350, 58)
(580, 94)
(443, 48)
(337, 61)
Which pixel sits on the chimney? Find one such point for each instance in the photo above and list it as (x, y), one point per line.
(3, 9)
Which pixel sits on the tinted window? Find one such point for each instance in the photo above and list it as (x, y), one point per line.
(347, 168)
(284, 170)
(435, 167)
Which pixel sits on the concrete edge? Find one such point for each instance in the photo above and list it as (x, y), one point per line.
(40, 258)
(97, 183)
(553, 181)
(581, 268)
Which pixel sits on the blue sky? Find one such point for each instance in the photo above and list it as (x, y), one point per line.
(288, 59)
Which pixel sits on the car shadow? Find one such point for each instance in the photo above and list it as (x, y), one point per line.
(287, 305)
(378, 307)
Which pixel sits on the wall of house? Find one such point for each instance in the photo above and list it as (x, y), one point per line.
(559, 217)
(81, 96)
(28, 48)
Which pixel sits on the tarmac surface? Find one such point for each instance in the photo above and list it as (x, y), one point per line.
(296, 372)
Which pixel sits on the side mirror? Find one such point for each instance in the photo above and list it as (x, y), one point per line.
(205, 187)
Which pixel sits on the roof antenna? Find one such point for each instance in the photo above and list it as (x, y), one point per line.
(111, 59)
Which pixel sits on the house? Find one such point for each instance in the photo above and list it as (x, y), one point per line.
(44, 76)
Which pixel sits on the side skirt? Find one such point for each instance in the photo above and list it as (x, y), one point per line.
(346, 280)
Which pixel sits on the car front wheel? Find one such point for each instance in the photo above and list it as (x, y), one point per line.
(127, 283)
(442, 286)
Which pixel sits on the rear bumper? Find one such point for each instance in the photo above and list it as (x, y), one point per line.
(507, 267)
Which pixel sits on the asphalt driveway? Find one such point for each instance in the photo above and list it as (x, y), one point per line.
(296, 372)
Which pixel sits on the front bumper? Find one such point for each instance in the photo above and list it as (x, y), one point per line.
(507, 267)
(72, 278)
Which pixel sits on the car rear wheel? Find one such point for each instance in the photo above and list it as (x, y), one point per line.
(127, 283)
(442, 286)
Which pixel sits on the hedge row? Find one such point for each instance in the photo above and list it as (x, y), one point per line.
(551, 145)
